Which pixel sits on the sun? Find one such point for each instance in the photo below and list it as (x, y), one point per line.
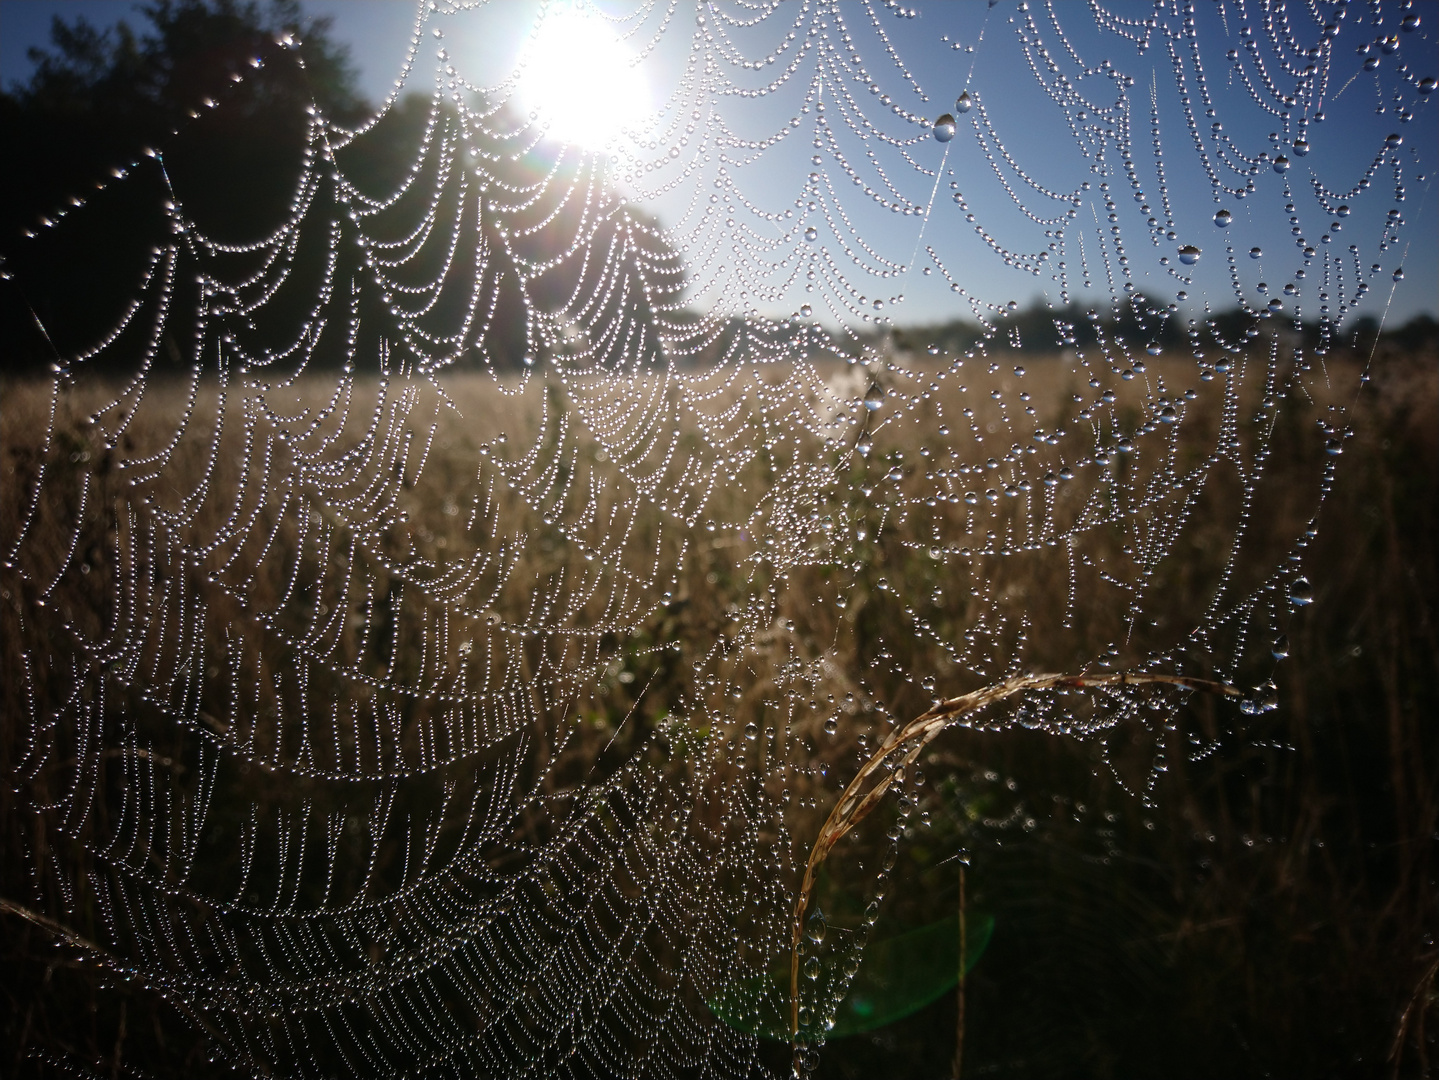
(580, 80)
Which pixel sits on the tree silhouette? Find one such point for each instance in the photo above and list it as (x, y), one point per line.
(220, 87)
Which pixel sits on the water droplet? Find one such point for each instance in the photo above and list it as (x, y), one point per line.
(944, 128)
(1399, 274)
(1280, 649)
(1394, 141)
(1222, 219)
(811, 968)
(805, 311)
(1168, 415)
(815, 927)
(1301, 592)
(811, 234)
(1281, 164)
(1256, 253)
(1426, 85)
(1189, 254)
(874, 398)
(1301, 147)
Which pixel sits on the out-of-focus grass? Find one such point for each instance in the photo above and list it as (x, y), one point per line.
(1272, 912)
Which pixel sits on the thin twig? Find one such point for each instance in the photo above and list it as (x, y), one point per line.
(1396, 1052)
(105, 959)
(50, 926)
(855, 803)
(963, 968)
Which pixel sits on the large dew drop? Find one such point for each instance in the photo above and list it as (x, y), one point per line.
(1189, 254)
(874, 398)
(815, 927)
(944, 128)
(1301, 592)
(964, 102)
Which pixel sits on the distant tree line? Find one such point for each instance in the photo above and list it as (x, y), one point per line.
(1141, 324)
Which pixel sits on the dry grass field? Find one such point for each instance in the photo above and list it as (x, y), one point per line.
(1264, 908)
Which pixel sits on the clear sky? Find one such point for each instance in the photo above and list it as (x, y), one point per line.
(1047, 88)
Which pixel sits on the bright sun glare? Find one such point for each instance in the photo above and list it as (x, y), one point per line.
(580, 80)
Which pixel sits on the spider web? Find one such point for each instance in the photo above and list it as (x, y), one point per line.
(440, 651)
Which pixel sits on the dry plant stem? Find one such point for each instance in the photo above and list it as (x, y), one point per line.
(855, 802)
(105, 959)
(963, 967)
(1414, 1011)
(50, 926)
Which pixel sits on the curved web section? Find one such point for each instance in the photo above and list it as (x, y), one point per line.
(441, 647)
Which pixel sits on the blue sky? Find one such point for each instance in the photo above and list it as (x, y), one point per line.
(1052, 142)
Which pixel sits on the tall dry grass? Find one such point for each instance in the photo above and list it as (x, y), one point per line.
(1270, 907)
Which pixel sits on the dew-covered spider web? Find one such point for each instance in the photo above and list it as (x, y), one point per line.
(440, 621)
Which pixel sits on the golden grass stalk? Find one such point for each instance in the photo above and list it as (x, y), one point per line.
(864, 792)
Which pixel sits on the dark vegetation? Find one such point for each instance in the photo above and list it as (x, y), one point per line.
(215, 108)
(101, 102)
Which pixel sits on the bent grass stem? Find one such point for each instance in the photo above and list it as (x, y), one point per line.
(860, 797)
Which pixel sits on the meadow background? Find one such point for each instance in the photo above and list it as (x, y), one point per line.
(1271, 913)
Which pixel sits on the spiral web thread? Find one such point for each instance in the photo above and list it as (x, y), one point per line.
(418, 698)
